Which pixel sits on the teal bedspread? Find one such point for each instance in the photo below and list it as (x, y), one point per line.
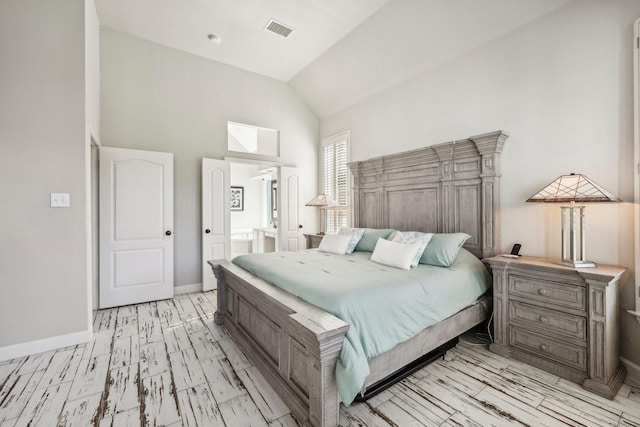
(384, 306)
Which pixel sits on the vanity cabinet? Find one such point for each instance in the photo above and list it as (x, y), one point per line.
(265, 240)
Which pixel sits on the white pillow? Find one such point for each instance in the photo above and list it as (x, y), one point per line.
(395, 254)
(335, 243)
(413, 237)
(355, 233)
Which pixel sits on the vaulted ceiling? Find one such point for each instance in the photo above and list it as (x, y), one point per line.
(340, 52)
(185, 25)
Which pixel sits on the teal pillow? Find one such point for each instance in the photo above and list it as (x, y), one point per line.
(370, 237)
(443, 249)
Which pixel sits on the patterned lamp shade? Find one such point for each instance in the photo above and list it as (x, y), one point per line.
(322, 201)
(573, 188)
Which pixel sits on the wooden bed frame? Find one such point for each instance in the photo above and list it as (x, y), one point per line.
(443, 188)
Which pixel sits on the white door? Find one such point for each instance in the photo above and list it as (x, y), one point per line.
(136, 226)
(290, 205)
(216, 218)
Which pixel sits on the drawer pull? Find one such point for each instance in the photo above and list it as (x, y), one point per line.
(544, 347)
(543, 319)
(544, 292)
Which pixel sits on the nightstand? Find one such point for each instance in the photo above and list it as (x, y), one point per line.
(560, 319)
(313, 240)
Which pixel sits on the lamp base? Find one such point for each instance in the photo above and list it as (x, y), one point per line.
(575, 264)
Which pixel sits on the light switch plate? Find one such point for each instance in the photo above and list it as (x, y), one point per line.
(60, 200)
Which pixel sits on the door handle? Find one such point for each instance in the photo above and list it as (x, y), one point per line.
(300, 226)
(168, 232)
(207, 231)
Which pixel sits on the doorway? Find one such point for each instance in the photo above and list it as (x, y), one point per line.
(268, 215)
(254, 218)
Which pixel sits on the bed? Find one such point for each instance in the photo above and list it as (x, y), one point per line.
(450, 187)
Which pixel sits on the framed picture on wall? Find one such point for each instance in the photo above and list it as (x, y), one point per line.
(237, 198)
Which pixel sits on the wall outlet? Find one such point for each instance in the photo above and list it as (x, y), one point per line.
(60, 200)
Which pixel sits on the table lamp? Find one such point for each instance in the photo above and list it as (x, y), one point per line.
(572, 189)
(323, 202)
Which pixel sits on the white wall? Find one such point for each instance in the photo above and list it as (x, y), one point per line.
(254, 213)
(157, 98)
(43, 255)
(404, 39)
(562, 87)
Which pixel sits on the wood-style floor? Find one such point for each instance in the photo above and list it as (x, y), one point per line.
(167, 363)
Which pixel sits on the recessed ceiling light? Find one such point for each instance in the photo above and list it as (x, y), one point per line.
(214, 39)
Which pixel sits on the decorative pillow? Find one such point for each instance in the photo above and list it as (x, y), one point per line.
(335, 244)
(393, 254)
(443, 249)
(370, 238)
(413, 237)
(356, 235)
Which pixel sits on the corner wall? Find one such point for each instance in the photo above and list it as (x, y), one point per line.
(43, 255)
(562, 87)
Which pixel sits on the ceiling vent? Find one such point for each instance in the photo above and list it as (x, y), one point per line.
(278, 28)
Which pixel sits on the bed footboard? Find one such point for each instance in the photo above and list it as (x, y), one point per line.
(295, 345)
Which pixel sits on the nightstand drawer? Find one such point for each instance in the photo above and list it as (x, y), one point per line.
(549, 320)
(569, 354)
(548, 292)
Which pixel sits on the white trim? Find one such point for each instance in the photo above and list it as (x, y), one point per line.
(265, 163)
(636, 168)
(633, 372)
(187, 289)
(95, 140)
(45, 344)
(635, 313)
(345, 134)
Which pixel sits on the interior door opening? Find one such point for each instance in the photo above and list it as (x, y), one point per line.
(248, 206)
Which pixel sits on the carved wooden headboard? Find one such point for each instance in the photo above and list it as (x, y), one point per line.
(443, 188)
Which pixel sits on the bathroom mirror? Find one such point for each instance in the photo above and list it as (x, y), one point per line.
(251, 139)
(274, 200)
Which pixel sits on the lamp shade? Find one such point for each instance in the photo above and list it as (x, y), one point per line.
(573, 188)
(322, 201)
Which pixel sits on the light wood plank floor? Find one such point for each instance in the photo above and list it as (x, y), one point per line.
(167, 363)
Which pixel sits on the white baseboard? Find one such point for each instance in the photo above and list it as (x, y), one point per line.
(633, 372)
(187, 289)
(46, 344)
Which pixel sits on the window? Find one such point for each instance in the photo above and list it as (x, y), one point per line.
(253, 139)
(335, 180)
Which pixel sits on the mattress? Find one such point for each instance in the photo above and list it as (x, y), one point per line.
(384, 306)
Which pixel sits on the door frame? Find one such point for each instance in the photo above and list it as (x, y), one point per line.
(636, 138)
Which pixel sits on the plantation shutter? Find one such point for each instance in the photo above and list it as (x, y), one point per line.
(335, 180)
